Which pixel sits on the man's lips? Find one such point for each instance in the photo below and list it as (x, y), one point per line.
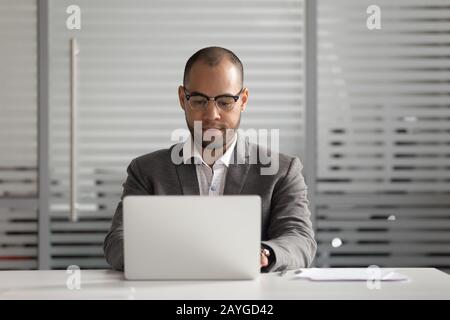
(212, 128)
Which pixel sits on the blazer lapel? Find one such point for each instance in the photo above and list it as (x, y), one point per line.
(236, 176)
(238, 169)
(187, 178)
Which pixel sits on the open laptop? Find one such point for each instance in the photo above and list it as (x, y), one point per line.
(192, 237)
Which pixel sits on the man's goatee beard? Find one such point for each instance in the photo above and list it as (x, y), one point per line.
(208, 140)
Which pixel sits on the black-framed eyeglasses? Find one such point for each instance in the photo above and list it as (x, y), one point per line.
(199, 102)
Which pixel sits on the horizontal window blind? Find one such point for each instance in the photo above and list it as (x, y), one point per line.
(18, 237)
(131, 61)
(384, 134)
(18, 134)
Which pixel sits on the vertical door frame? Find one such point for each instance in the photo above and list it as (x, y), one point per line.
(43, 137)
(310, 157)
(310, 84)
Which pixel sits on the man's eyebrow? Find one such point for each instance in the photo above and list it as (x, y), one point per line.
(204, 95)
(198, 93)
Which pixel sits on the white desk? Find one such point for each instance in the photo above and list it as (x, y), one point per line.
(426, 283)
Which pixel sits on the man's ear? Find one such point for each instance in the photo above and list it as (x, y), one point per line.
(244, 98)
(181, 97)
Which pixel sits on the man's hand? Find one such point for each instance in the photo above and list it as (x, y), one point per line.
(265, 257)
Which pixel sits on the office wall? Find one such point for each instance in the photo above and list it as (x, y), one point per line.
(383, 178)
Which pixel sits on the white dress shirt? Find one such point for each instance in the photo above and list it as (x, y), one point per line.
(211, 181)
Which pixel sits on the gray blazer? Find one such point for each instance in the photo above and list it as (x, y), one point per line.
(286, 225)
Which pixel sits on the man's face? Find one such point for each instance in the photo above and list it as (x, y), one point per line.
(222, 79)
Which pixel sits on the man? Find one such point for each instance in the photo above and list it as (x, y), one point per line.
(211, 163)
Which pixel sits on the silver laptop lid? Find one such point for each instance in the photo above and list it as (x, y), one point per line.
(192, 237)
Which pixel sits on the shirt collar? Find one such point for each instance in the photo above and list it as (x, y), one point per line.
(191, 151)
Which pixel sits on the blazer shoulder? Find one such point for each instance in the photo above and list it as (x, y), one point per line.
(156, 158)
(284, 160)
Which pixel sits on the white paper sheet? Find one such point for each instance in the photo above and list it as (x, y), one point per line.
(351, 274)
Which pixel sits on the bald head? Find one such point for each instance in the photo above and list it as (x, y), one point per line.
(212, 56)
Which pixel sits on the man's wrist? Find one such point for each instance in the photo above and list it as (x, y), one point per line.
(268, 252)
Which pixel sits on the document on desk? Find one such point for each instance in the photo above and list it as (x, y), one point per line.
(351, 274)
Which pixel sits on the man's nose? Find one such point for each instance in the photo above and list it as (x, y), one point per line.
(212, 111)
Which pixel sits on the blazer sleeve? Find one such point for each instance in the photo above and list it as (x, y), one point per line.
(290, 232)
(113, 243)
